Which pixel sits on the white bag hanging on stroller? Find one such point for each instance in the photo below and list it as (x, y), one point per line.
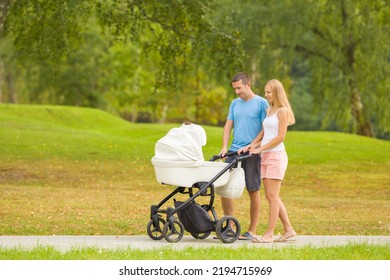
(235, 185)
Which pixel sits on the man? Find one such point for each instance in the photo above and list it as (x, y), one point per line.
(245, 118)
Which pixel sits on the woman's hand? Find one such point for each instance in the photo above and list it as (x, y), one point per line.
(256, 151)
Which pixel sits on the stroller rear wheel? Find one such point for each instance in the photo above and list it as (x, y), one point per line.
(173, 230)
(155, 228)
(228, 229)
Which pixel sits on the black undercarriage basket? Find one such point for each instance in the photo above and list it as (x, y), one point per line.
(194, 218)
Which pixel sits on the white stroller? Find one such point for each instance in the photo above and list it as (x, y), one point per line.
(179, 162)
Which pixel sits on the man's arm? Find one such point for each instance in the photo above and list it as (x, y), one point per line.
(227, 129)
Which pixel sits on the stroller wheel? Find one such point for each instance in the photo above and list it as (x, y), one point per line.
(203, 235)
(228, 229)
(173, 231)
(155, 228)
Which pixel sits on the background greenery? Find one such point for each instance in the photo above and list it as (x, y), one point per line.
(171, 60)
(67, 170)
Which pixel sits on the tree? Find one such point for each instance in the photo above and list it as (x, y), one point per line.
(4, 7)
(8, 71)
(167, 41)
(49, 30)
(328, 44)
(346, 45)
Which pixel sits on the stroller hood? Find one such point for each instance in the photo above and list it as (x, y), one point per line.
(179, 158)
(182, 144)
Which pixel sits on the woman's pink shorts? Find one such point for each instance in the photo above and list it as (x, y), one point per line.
(273, 164)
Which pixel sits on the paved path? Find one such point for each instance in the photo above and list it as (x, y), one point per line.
(65, 243)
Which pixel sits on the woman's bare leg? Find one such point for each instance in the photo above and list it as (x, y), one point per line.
(288, 229)
(272, 189)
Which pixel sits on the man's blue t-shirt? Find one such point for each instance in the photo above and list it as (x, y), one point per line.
(247, 117)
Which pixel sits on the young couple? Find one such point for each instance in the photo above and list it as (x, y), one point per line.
(259, 127)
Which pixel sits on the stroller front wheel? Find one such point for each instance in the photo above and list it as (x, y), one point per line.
(173, 231)
(228, 229)
(155, 228)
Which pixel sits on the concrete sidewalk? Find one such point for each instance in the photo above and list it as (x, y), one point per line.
(65, 243)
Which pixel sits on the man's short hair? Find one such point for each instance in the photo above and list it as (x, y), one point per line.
(241, 76)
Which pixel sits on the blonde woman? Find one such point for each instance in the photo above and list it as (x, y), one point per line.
(270, 144)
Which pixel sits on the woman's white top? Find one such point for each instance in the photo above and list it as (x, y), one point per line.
(271, 130)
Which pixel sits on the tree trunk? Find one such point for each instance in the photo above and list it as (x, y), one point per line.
(4, 7)
(197, 96)
(1, 81)
(164, 112)
(12, 97)
(253, 73)
(363, 125)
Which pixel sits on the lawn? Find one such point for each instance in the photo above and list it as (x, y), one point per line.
(67, 170)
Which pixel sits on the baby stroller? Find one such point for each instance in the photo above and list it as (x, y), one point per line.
(179, 162)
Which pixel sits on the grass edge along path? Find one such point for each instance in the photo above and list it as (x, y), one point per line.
(347, 252)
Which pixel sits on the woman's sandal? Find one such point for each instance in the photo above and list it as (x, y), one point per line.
(285, 239)
(260, 240)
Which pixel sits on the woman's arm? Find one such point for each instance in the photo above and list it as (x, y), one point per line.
(256, 142)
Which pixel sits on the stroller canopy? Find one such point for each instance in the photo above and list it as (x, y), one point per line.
(182, 144)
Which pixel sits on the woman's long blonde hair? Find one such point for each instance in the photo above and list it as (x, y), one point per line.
(280, 99)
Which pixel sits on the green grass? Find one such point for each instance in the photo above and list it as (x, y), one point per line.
(353, 251)
(69, 133)
(67, 170)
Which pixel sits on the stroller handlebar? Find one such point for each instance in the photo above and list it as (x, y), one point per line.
(244, 156)
(237, 157)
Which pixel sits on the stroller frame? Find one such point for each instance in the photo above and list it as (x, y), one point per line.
(227, 228)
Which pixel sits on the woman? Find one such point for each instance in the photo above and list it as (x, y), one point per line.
(269, 143)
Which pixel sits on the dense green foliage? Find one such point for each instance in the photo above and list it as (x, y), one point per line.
(171, 60)
(324, 53)
(130, 57)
